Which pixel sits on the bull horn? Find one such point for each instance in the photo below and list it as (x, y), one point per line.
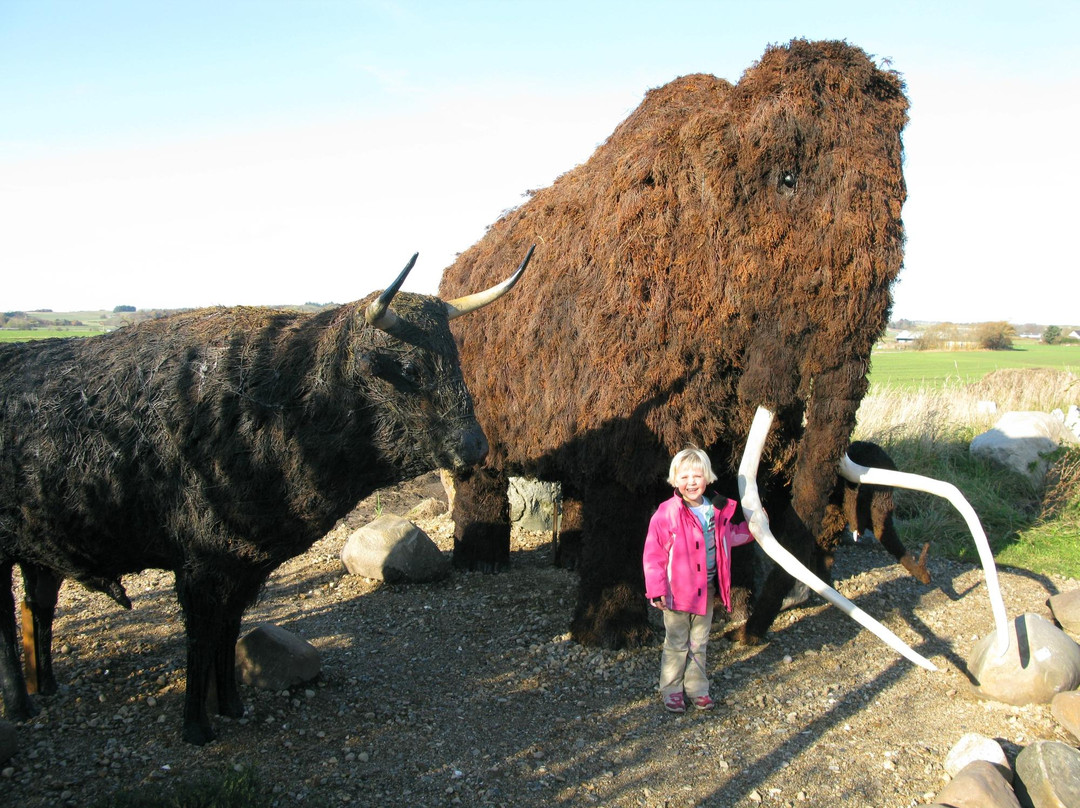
(759, 526)
(477, 300)
(378, 314)
(852, 471)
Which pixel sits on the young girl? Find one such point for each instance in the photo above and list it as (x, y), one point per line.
(687, 558)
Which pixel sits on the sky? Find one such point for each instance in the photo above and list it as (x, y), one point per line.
(267, 152)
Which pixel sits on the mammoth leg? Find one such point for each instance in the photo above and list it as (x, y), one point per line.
(481, 514)
(17, 703)
(571, 535)
(42, 588)
(611, 609)
(759, 525)
(769, 602)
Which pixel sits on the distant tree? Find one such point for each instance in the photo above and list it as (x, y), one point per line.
(902, 325)
(937, 336)
(995, 336)
(1052, 335)
(121, 309)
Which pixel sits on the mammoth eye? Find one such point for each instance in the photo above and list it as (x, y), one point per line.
(786, 182)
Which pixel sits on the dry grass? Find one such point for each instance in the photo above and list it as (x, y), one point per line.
(928, 416)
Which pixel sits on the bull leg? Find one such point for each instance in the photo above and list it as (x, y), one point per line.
(202, 616)
(42, 588)
(229, 702)
(17, 703)
(481, 516)
(885, 530)
(611, 611)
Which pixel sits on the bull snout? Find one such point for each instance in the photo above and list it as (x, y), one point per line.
(472, 447)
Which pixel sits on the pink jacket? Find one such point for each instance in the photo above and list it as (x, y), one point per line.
(674, 556)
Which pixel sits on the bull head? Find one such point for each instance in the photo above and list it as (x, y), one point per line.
(379, 314)
(759, 526)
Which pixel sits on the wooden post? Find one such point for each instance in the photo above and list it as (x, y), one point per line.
(30, 658)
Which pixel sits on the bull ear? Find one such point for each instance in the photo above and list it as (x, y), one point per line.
(378, 314)
(477, 300)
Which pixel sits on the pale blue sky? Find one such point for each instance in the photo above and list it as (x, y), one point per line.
(199, 153)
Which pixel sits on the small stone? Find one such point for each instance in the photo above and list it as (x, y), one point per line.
(972, 747)
(1066, 609)
(272, 658)
(1041, 660)
(978, 785)
(1065, 707)
(1048, 775)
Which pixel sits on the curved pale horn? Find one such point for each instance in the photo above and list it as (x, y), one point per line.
(477, 300)
(759, 526)
(378, 313)
(851, 470)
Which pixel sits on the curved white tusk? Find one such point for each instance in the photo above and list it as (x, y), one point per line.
(759, 526)
(851, 470)
(463, 305)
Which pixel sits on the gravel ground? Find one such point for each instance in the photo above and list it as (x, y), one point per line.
(470, 692)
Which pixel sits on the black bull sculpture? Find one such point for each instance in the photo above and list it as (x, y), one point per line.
(217, 444)
(727, 248)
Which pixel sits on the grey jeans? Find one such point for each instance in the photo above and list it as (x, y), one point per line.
(682, 663)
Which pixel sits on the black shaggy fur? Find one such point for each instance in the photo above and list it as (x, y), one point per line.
(216, 444)
(728, 246)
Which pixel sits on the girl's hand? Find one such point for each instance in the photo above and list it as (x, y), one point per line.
(657, 603)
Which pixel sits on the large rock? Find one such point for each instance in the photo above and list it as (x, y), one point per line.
(972, 747)
(533, 503)
(275, 659)
(1066, 609)
(1048, 775)
(1065, 707)
(394, 550)
(1021, 441)
(980, 784)
(9, 741)
(1040, 662)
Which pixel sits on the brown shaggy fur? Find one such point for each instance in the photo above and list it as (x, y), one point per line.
(727, 247)
(217, 444)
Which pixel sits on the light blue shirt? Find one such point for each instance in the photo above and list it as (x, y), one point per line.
(706, 516)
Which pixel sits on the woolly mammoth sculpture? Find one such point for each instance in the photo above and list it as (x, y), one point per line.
(729, 246)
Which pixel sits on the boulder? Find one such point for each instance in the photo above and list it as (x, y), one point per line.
(1065, 707)
(1048, 775)
(275, 659)
(1021, 441)
(9, 741)
(1066, 610)
(1040, 662)
(972, 747)
(980, 784)
(394, 550)
(533, 503)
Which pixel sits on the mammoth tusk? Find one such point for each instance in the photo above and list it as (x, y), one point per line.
(759, 526)
(852, 471)
(378, 314)
(469, 303)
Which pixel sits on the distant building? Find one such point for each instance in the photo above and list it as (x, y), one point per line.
(906, 336)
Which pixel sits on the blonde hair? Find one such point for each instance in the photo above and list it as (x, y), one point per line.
(693, 457)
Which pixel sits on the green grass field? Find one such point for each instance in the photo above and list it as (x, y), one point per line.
(26, 335)
(934, 369)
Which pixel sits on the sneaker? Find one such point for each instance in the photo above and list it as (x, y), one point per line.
(703, 702)
(675, 703)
